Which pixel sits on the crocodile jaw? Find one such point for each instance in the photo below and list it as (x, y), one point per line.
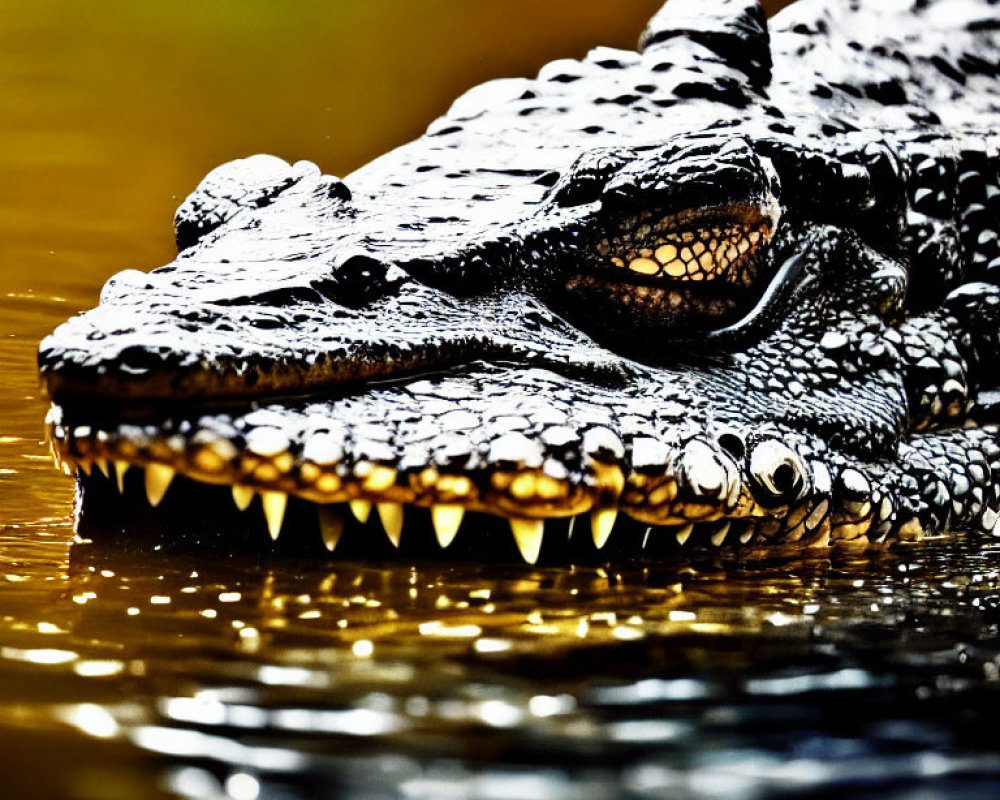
(692, 491)
(516, 443)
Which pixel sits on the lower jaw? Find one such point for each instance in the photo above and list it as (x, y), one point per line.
(199, 516)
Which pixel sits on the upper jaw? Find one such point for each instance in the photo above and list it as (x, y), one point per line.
(206, 352)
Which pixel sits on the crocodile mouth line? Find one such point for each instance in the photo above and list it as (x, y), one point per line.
(608, 502)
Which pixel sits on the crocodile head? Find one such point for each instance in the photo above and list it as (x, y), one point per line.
(734, 287)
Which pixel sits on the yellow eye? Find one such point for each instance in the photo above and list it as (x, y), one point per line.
(676, 273)
(713, 244)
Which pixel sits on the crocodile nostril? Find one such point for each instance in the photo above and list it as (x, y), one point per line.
(777, 469)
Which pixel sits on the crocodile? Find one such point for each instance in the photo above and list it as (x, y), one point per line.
(734, 289)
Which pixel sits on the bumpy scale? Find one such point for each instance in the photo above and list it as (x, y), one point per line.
(735, 288)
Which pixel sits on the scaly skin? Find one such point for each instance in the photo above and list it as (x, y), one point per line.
(737, 286)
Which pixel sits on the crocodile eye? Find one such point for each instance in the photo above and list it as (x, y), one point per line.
(689, 271)
(713, 244)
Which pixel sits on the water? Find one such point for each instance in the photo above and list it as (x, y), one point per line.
(127, 674)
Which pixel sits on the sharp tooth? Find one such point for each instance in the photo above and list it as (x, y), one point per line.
(391, 515)
(242, 496)
(528, 535)
(121, 467)
(572, 525)
(747, 535)
(720, 535)
(331, 525)
(446, 518)
(158, 478)
(85, 467)
(645, 537)
(684, 533)
(361, 509)
(602, 520)
(274, 511)
(102, 465)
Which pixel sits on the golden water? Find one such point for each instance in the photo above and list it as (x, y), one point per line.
(126, 675)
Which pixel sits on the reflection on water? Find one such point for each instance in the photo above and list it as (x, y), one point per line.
(251, 678)
(131, 673)
(705, 679)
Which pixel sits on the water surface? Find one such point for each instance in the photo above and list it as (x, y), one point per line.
(127, 673)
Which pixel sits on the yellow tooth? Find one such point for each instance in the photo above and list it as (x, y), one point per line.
(242, 496)
(361, 509)
(747, 535)
(158, 478)
(602, 520)
(274, 510)
(102, 465)
(684, 533)
(446, 519)
(121, 467)
(331, 525)
(391, 515)
(720, 535)
(528, 535)
(85, 467)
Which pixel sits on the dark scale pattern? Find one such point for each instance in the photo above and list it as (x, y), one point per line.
(738, 285)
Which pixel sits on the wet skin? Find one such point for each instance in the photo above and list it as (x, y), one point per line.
(736, 288)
